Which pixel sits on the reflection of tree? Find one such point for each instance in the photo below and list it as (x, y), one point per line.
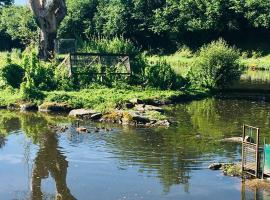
(49, 159)
(172, 153)
(2, 141)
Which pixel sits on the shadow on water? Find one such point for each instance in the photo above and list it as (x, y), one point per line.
(174, 156)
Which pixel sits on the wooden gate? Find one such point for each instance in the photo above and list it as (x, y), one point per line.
(251, 150)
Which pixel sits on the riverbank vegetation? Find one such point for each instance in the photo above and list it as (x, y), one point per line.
(169, 59)
(23, 74)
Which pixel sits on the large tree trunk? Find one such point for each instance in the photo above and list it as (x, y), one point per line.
(49, 14)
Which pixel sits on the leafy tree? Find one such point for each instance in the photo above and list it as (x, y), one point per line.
(79, 20)
(19, 23)
(6, 3)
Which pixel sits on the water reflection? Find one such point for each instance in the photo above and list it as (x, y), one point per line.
(2, 141)
(172, 157)
(50, 160)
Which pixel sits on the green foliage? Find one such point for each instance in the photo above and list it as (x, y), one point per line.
(29, 92)
(109, 45)
(37, 72)
(6, 3)
(161, 75)
(216, 66)
(12, 74)
(18, 22)
(103, 98)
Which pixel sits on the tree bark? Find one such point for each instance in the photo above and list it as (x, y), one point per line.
(49, 14)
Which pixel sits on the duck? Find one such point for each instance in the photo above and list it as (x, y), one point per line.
(97, 129)
(80, 129)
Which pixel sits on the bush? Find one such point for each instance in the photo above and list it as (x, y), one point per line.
(161, 75)
(13, 75)
(184, 52)
(30, 92)
(40, 73)
(216, 66)
(107, 45)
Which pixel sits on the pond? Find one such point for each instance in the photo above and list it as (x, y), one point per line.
(126, 162)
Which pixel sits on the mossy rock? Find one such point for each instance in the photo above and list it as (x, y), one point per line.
(54, 107)
(232, 169)
(113, 116)
(127, 118)
(28, 107)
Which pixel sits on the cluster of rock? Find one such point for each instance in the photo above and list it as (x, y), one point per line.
(136, 113)
(228, 169)
(133, 112)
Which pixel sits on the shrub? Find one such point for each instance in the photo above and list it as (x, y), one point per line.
(216, 66)
(184, 52)
(13, 75)
(107, 45)
(40, 73)
(161, 75)
(30, 92)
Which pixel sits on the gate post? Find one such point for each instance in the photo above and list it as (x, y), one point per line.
(257, 153)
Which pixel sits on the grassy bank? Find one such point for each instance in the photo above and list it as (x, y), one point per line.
(181, 62)
(103, 99)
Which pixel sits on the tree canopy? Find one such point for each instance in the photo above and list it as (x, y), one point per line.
(156, 22)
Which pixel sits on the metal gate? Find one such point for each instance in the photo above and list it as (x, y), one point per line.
(251, 150)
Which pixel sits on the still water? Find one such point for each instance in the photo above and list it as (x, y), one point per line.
(127, 163)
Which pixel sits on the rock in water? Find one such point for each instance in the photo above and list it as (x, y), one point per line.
(54, 107)
(82, 113)
(28, 107)
(96, 116)
(215, 166)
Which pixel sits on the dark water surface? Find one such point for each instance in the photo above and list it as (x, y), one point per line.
(127, 163)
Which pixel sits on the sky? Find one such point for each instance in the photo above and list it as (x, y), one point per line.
(20, 2)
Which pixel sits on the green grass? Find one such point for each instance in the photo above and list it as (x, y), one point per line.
(257, 63)
(105, 99)
(180, 64)
(100, 99)
(8, 97)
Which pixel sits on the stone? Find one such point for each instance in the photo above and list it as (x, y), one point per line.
(139, 107)
(54, 107)
(153, 108)
(83, 113)
(140, 119)
(156, 102)
(162, 123)
(28, 107)
(233, 139)
(113, 116)
(13, 107)
(136, 101)
(96, 116)
(143, 108)
(3, 107)
(129, 105)
(215, 166)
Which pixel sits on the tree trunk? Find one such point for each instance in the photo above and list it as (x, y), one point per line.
(46, 45)
(48, 17)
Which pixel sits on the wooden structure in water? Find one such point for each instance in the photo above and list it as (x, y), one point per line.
(107, 64)
(251, 150)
